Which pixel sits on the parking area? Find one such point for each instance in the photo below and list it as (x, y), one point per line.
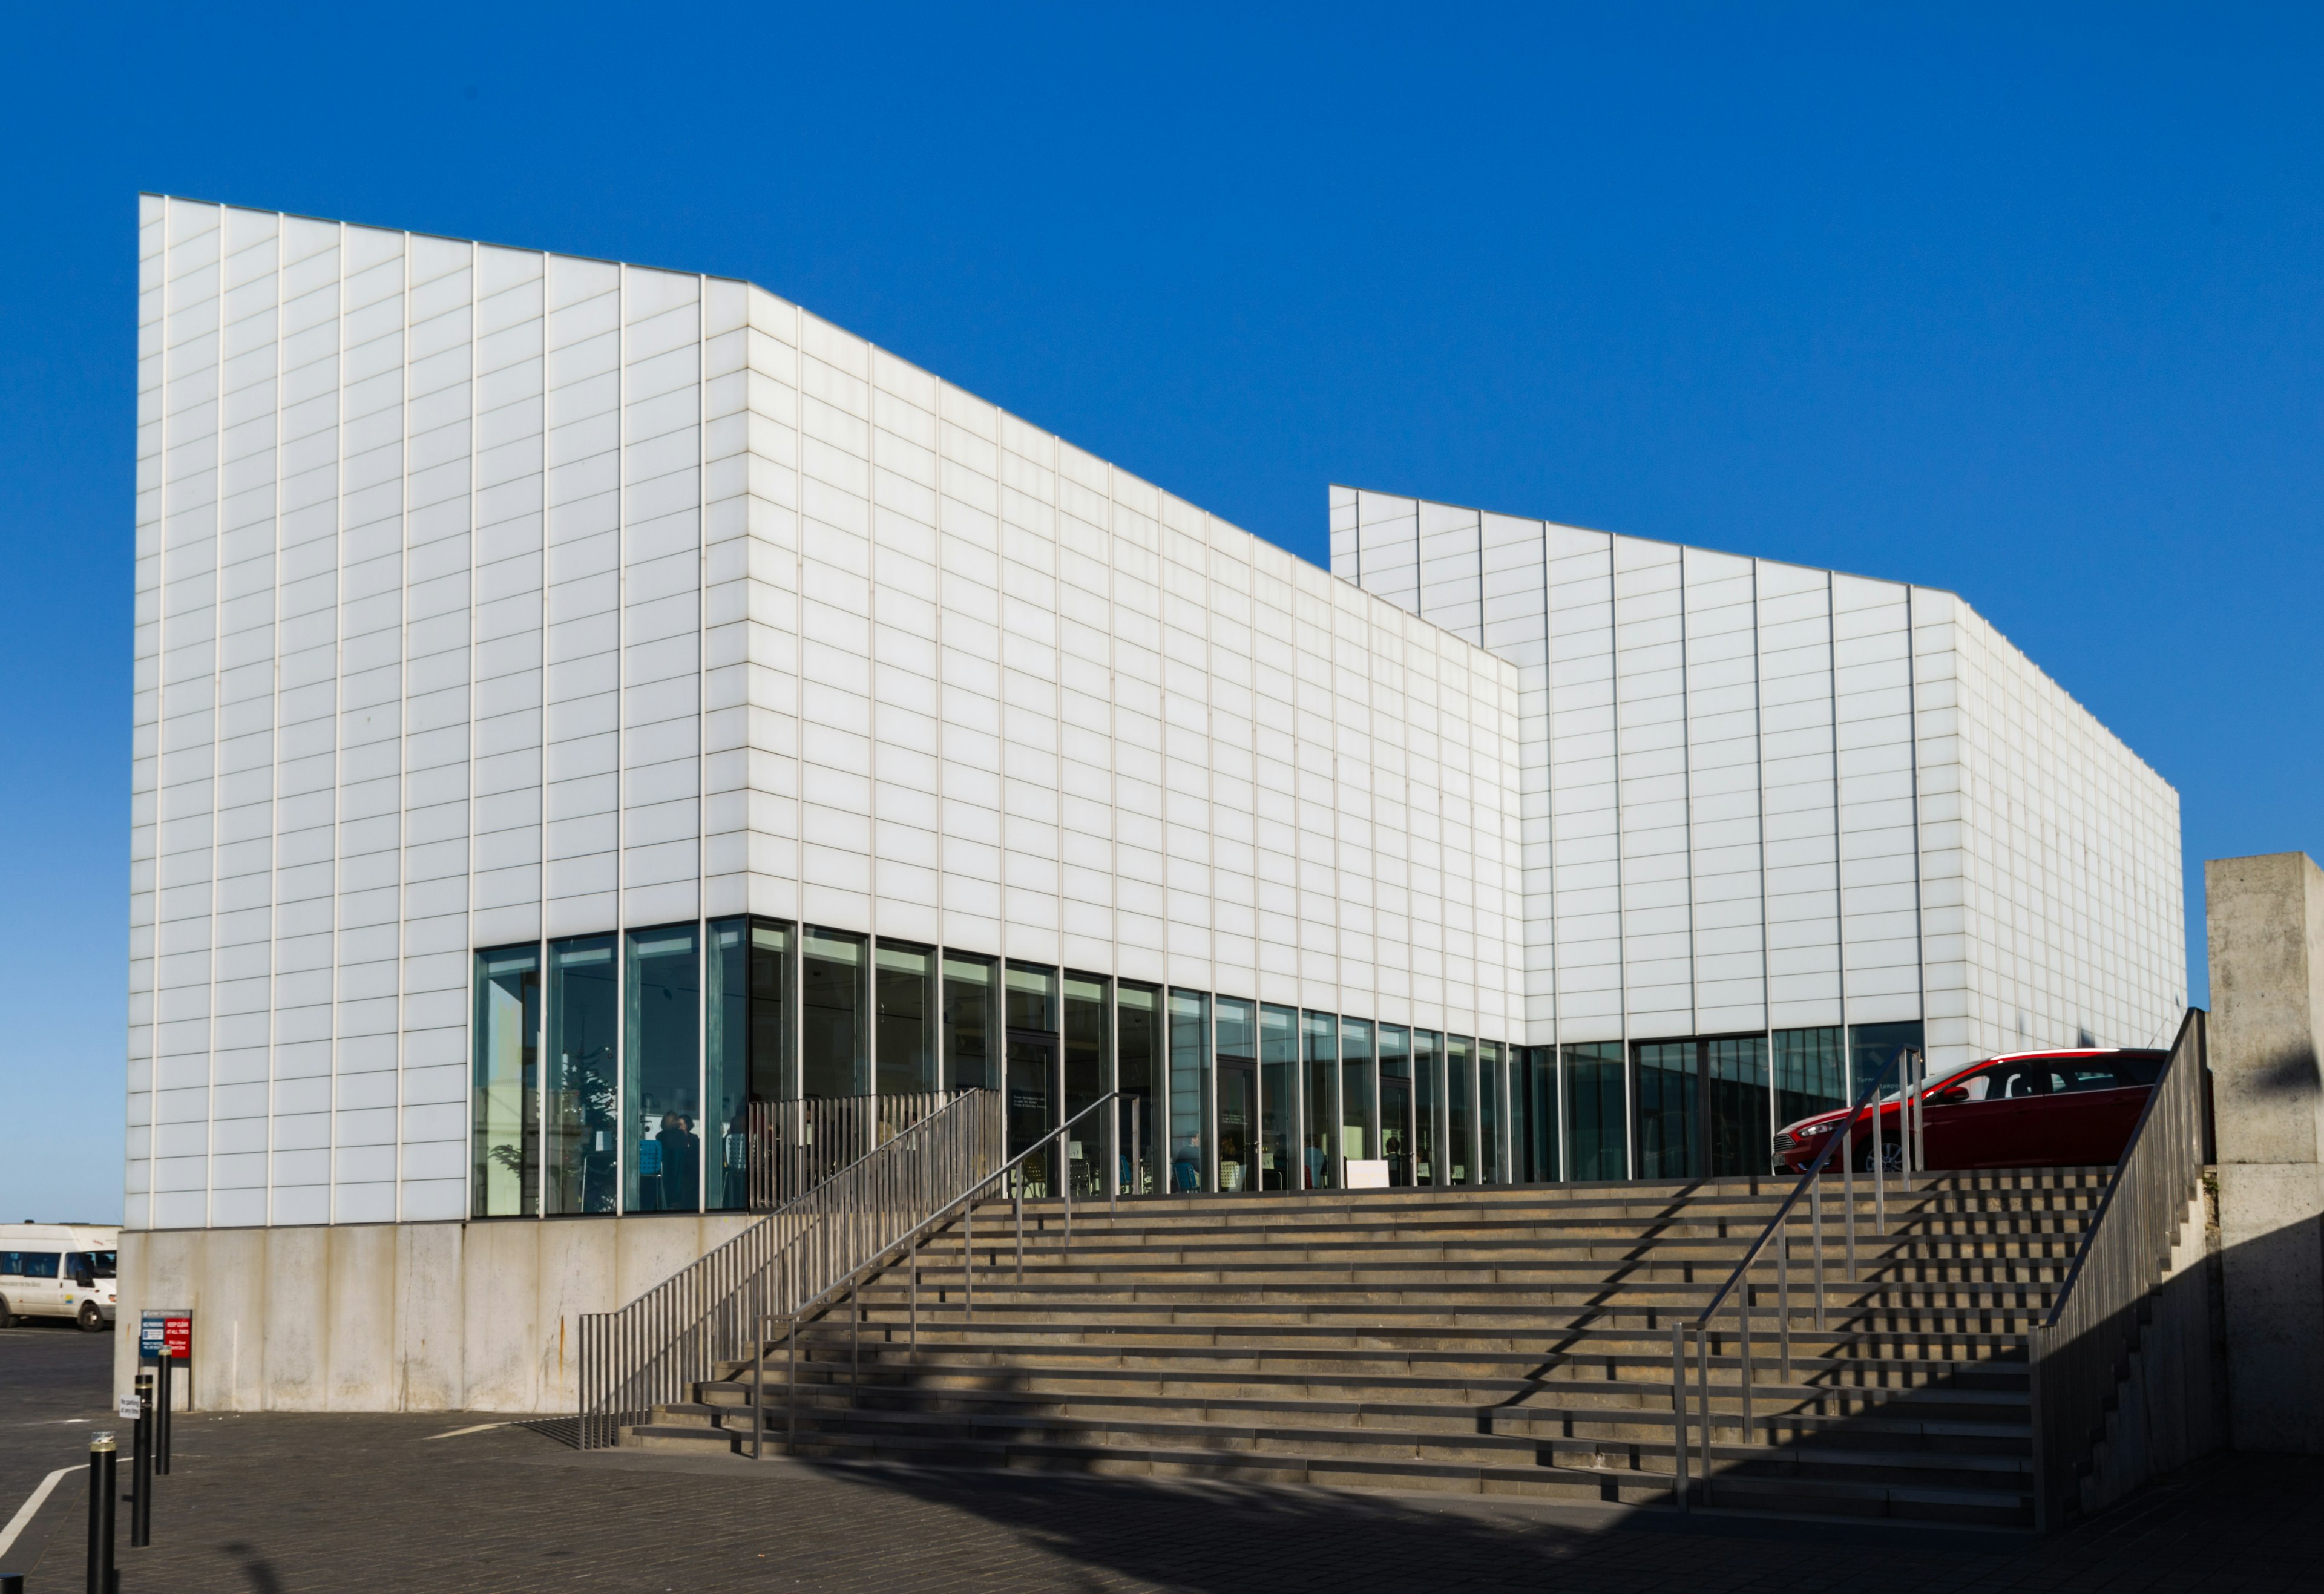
(266, 1504)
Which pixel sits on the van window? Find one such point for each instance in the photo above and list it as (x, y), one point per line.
(10, 1264)
(41, 1264)
(88, 1265)
(104, 1262)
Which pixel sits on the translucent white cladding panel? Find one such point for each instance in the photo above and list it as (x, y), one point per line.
(1650, 716)
(1723, 691)
(1387, 547)
(1451, 570)
(1872, 706)
(1584, 787)
(727, 714)
(1799, 796)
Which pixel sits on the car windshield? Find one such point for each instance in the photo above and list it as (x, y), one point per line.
(97, 1264)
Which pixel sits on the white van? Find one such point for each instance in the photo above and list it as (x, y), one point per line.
(58, 1270)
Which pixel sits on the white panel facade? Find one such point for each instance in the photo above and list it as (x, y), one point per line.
(1758, 796)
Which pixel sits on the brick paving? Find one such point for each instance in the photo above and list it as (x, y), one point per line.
(269, 1504)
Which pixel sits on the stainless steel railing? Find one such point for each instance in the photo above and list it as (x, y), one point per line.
(2077, 1355)
(791, 1310)
(1908, 1068)
(648, 1352)
(791, 1146)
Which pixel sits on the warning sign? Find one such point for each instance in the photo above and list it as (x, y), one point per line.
(166, 1330)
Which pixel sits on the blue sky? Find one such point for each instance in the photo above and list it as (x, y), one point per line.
(2027, 302)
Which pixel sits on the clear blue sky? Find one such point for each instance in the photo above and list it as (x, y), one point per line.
(2020, 301)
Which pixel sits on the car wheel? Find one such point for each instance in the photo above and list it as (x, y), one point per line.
(92, 1318)
(1892, 1158)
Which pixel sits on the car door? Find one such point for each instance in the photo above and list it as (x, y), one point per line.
(2102, 1104)
(2001, 1134)
(1953, 1118)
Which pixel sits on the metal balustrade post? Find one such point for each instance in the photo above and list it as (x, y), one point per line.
(791, 1394)
(1815, 1204)
(759, 1376)
(1743, 1346)
(1020, 1182)
(1678, 1414)
(1879, 1171)
(913, 1263)
(1702, 1382)
(967, 1257)
(1848, 1195)
(1783, 1293)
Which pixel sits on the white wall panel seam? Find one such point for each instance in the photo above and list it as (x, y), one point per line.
(403, 698)
(274, 779)
(1686, 775)
(1838, 882)
(702, 739)
(1759, 822)
(468, 905)
(338, 636)
(1920, 895)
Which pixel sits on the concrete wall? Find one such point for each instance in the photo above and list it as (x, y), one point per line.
(397, 1317)
(2266, 922)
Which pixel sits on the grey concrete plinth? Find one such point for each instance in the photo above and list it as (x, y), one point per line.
(2265, 917)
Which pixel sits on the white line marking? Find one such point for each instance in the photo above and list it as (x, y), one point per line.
(479, 1428)
(31, 1507)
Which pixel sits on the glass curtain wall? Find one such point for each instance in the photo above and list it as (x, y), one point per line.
(662, 1071)
(906, 1012)
(1666, 1092)
(726, 1066)
(834, 1036)
(1536, 1138)
(774, 1014)
(1492, 1113)
(1138, 1060)
(506, 1092)
(1031, 995)
(1237, 1045)
(1320, 1134)
(1872, 1047)
(1190, 1089)
(1428, 1107)
(1735, 1077)
(1597, 1139)
(1084, 1037)
(1396, 1101)
(1358, 1137)
(1460, 1099)
(583, 1163)
(970, 1010)
(1811, 1073)
(1278, 1068)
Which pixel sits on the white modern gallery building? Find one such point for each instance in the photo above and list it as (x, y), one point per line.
(575, 701)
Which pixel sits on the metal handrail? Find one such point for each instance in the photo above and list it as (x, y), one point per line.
(2074, 1357)
(647, 1352)
(1911, 1087)
(964, 1204)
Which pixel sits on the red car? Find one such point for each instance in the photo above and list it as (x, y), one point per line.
(2026, 1109)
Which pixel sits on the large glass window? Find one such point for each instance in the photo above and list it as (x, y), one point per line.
(661, 1072)
(774, 1009)
(1873, 1046)
(904, 1011)
(1278, 1064)
(506, 1099)
(1428, 1167)
(1735, 1072)
(583, 1132)
(1460, 1098)
(1492, 1113)
(1668, 1108)
(1236, 1044)
(1357, 1138)
(968, 1020)
(1031, 997)
(1535, 1132)
(1396, 1101)
(1084, 1034)
(1319, 1035)
(1811, 1073)
(832, 1028)
(1596, 1142)
(726, 1066)
(1190, 1087)
(1138, 1039)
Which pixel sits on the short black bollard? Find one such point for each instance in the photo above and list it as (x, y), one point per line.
(12, 1582)
(141, 1469)
(161, 1418)
(102, 1482)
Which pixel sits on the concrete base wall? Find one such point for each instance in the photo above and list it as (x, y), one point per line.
(397, 1317)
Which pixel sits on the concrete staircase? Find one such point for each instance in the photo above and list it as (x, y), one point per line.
(1512, 1342)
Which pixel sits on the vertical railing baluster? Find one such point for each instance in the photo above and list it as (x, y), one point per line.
(1678, 1413)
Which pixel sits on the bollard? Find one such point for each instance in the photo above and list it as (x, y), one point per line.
(102, 1482)
(141, 1470)
(12, 1582)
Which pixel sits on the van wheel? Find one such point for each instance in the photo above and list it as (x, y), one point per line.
(5, 1320)
(92, 1318)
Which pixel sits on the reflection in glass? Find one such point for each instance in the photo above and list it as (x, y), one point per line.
(583, 1018)
(1536, 1134)
(904, 1011)
(1138, 1037)
(1873, 1046)
(1237, 1044)
(773, 1074)
(726, 1066)
(1428, 1106)
(968, 1016)
(662, 1072)
(1031, 995)
(1811, 1076)
(1596, 1141)
(832, 1029)
(1084, 1041)
(506, 1095)
(1320, 1134)
(1396, 1101)
(1279, 1064)
(1356, 1063)
(1737, 1079)
(1667, 1108)
(1460, 1097)
(1190, 1087)
(1491, 1113)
